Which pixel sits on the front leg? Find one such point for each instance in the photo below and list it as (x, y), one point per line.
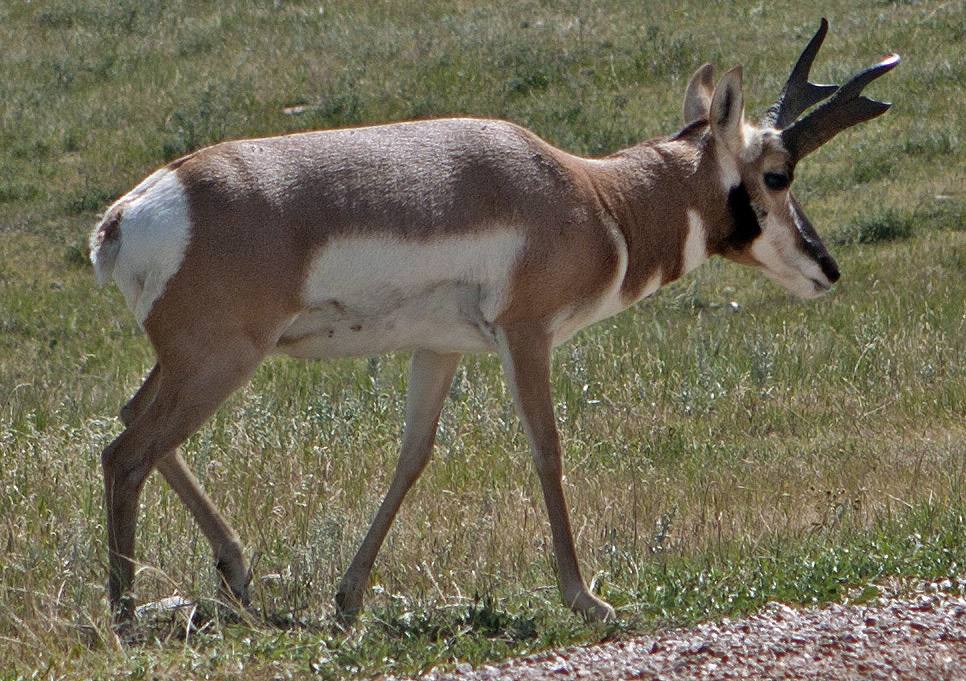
(430, 376)
(525, 352)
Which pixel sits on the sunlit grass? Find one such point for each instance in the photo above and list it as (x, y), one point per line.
(725, 445)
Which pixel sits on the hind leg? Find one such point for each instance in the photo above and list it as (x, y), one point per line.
(187, 391)
(143, 397)
(229, 560)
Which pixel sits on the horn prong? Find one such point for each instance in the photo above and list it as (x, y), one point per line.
(799, 94)
(843, 110)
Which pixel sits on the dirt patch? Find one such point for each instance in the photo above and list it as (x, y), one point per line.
(921, 638)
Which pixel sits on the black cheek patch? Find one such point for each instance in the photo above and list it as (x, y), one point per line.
(745, 227)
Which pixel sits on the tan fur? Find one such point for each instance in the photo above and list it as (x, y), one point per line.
(568, 240)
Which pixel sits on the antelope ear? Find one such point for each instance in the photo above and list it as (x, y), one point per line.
(697, 99)
(728, 110)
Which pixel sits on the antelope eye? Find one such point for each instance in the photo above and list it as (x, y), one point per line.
(777, 181)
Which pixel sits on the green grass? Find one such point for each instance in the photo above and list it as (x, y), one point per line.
(725, 445)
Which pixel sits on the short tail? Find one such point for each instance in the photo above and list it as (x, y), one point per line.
(105, 244)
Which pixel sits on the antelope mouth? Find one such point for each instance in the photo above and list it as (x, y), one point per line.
(821, 286)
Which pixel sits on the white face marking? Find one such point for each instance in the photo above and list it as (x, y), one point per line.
(376, 294)
(696, 243)
(784, 262)
(155, 231)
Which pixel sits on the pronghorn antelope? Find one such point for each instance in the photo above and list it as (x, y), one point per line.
(443, 237)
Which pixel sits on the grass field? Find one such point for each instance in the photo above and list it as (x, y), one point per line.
(726, 445)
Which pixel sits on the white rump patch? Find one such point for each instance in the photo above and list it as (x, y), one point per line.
(155, 231)
(696, 244)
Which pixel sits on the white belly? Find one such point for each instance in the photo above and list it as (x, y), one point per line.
(371, 295)
(445, 319)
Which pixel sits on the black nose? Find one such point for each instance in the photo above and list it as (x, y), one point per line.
(829, 267)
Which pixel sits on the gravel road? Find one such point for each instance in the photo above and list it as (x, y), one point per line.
(921, 638)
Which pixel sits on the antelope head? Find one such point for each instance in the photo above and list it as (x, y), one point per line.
(756, 163)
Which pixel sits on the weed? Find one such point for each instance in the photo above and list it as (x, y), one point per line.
(890, 225)
(19, 193)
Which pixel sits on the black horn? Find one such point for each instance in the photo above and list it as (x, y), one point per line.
(843, 110)
(799, 94)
